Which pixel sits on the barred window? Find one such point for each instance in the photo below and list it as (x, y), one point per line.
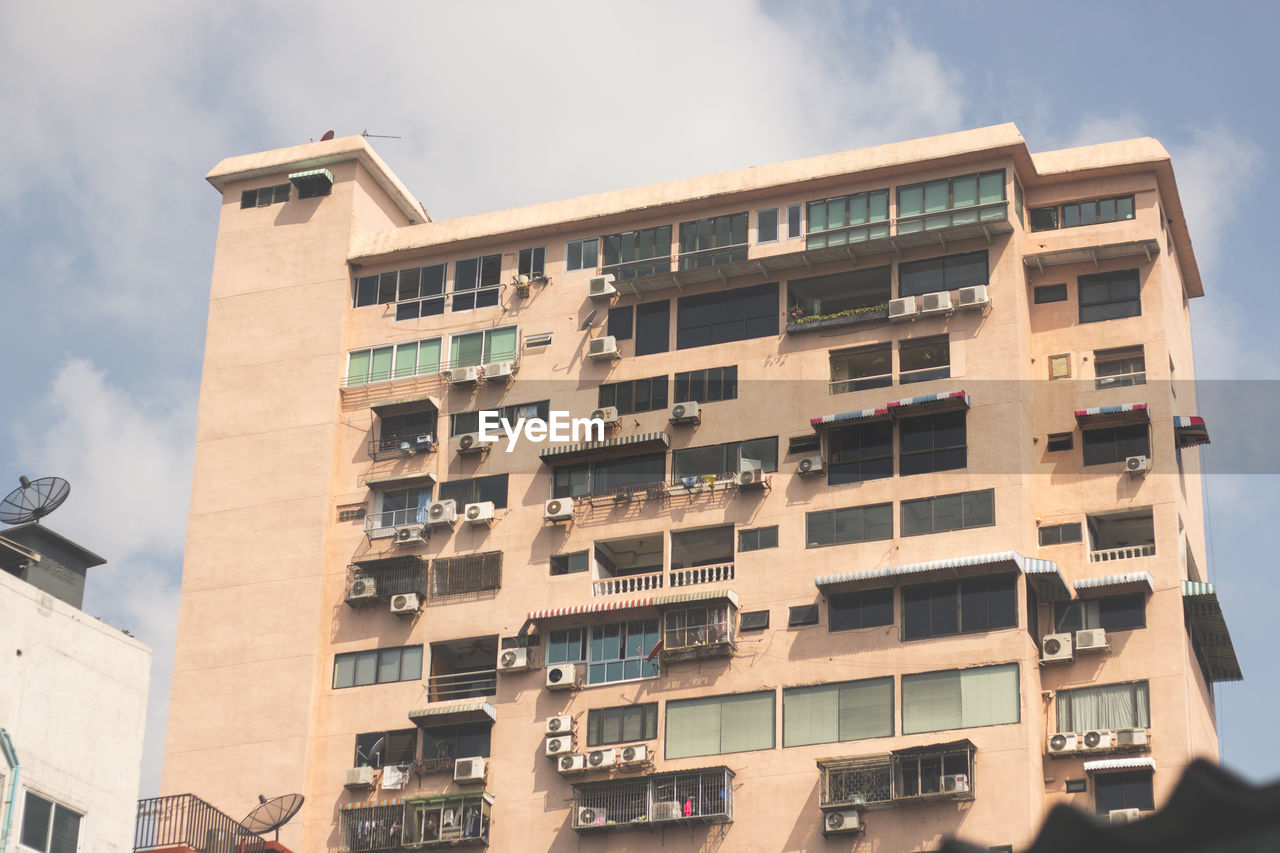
(470, 573)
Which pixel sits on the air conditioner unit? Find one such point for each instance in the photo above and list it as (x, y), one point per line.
(359, 777)
(810, 466)
(560, 744)
(571, 763)
(935, 303)
(600, 349)
(562, 676)
(362, 589)
(608, 414)
(637, 754)
(750, 474)
(513, 660)
(405, 604)
(470, 443)
(1131, 737)
(592, 816)
(1055, 647)
(974, 297)
(1124, 815)
(1063, 742)
(601, 287)
(562, 723)
(442, 512)
(1096, 741)
(500, 371)
(838, 823)
(598, 758)
(955, 783)
(1091, 640)
(666, 810)
(468, 771)
(411, 534)
(686, 413)
(903, 309)
(462, 375)
(1137, 466)
(423, 443)
(479, 513)
(558, 509)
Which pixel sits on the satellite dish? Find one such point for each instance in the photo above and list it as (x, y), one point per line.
(272, 814)
(33, 499)
(328, 134)
(586, 323)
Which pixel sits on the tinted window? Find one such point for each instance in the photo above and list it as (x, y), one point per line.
(653, 327)
(620, 322)
(1051, 293)
(1109, 296)
(846, 611)
(723, 316)
(936, 274)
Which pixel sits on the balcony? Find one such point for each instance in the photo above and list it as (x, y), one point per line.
(186, 822)
(903, 777)
(463, 669)
(1126, 552)
(382, 525)
(666, 799)
(658, 580)
(696, 633)
(1121, 535)
(373, 581)
(451, 820)
(390, 446)
(462, 685)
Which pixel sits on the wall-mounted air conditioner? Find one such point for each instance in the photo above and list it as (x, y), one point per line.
(603, 348)
(558, 724)
(608, 414)
(513, 660)
(442, 513)
(810, 466)
(1091, 640)
(362, 589)
(559, 744)
(1055, 648)
(599, 758)
(469, 771)
(479, 513)
(592, 816)
(688, 412)
(955, 783)
(463, 375)
(562, 676)
(1137, 466)
(470, 443)
(1131, 737)
(411, 534)
(974, 297)
(935, 303)
(558, 509)
(1097, 740)
(405, 604)
(637, 754)
(1063, 742)
(500, 371)
(903, 309)
(840, 823)
(750, 474)
(1124, 815)
(359, 777)
(666, 810)
(571, 763)
(601, 287)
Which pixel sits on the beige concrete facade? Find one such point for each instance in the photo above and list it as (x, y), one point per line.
(285, 441)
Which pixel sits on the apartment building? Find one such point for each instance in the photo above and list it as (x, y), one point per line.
(885, 526)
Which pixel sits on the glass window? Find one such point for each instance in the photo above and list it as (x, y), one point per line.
(767, 225)
(939, 514)
(801, 615)
(1107, 706)
(49, 827)
(377, 666)
(1061, 534)
(624, 724)
(850, 524)
(476, 490)
(569, 564)
(860, 452)
(653, 327)
(605, 476)
(1095, 211)
(934, 275)
(967, 606)
(413, 358)
(636, 395)
(860, 368)
(960, 698)
(923, 359)
(623, 651)
(757, 539)
(484, 347)
(1110, 613)
(727, 315)
(827, 713)
(532, 262)
(1131, 789)
(848, 219)
(707, 386)
(581, 254)
(461, 423)
(1109, 296)
(866, 609)
(476, 282)
(1119, 368)
(793, 221)
(961, 200)
(384, 749)
(621, 322)
(1060, 441)
(716, 240)
(632, 254)
(930, 443)
(1047, 293)
(1044, 218)
(1115, 444)
(718, 725)
(567, 645)
(720, 459)
(856, 294)
(443, 745)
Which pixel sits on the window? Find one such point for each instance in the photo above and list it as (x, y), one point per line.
(48, 826)
(653, 327)
(1091, 212)
(1047, 293)
(531, 263)
(704, 546)
(623, 651)
(385, 749)
(860, 452)
(1108, 706)
(699, 629)
(727, 315)
(960, 698)
(377, 666)
(632, 254)
(861, 368)
(848, 219)
(712, 241)
(417, 291)
(1109, 296)
(567, 645)
(924, 359)
(414, 358)
(807, 443)
(484, 347)
(707, 386)
(623, 724)
(394, 429)
(399, 506)
(1059, 441)
(1060, 534)
(636, 395)
(1044, 218)
(1077, 786)
(793, 221)
(767, 225)
(973, 198)
(856, 294)
(1115, 444)
(934, 275)
(758, 538)
(939, 514)
(1122, 535)
(351, 512)
(718, 725)
(1060, 366)
(1119, 368)
(606, 476)
(967, 606)
(1110, 613)
(1130, 789)
(864, 609)
(581, 254)
(461, 423)
(466, 574)
(753, 620)
(621, 321)
(827, 713)
(264, 196)
(720, 459)
(801, 615)
(931, 443)
(476, 282)
(570, 564)
(850, 524)
(443, 745)
(476, 490)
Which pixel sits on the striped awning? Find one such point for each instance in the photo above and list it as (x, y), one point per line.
(448, 714)
(943, 401)
(1190, 430)
(1209, 628)
(701, 595)
(642, 439)
(594, 607)
(371, 804)
(1120, 764)
(1121, 414)
(845, 579)
(1046, 578)
(316, 177)
(1112, 581)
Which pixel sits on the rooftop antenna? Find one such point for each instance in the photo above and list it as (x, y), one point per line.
(367, 135)
(272, 814)
(33, 499)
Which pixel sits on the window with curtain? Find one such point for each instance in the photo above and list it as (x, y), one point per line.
(378, 364)
(960, 698)
(1108, 706)
(827, 713)
(484, 347)
(717, 725)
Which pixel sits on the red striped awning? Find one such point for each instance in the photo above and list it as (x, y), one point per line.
(1190, 430)
(1121, 414)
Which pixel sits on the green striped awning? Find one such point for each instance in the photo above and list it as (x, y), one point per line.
(1208, 628)
(701, 595)
(451, 714)
(639, 440)
(311, 176)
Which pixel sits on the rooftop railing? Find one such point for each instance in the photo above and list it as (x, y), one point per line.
(186, 820)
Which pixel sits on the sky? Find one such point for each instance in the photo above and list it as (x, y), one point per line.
(115, 112)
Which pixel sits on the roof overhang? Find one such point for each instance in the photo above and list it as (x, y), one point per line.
(1190, 431)
(1131, 581)
(944, 401)
(727, 595)
(1148, 249)
(453, 714)
(1045, 576)
(419, 478)
(638, 441)
(315, 181)
(1121, 414)
(1105, 764)
(1205, 620)
(850, 580)
(406, 404)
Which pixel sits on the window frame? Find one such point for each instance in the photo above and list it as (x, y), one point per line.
(569, 559)
(1108, 445)
(872, 213)
(592, 466)
(929, 220)
(576, 254)
(362, 758)
(958, 592)
(721, 701)
(840, 715)
(777, 225)
(483, 289)
(532, 263)
(1140, 778)
(1057, 532)
(731, 449)
(757, 539)
(609, 394)
(482, 489)
(359, 658)
(55, 810)
(597, 724)
(486, 345)
(393, 371)
(1137, 687)
(692, 254)
(841, 607)
(815, 517)
(937, 422)
(952, 272)
(909, 679)
(1047, 294)
(630, 247)
(721, 316)
(1112, 279)
(541, 409)
(933, 515)
(1119, 367)
(698, 384)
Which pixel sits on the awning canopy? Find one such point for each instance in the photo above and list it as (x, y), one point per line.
(638, 441)
(406, 404)
(1149, 249)
(1111, 583)
(1120, 764)
(870, 576)
(423, 478)
(636, 603)
(951, 746)
(1190, 431)
(1209, 627)
(453, 714)
(371, 804)
(1122, 414)
(320, 180)
(942, 402)
(1046, 578)
(694, 597)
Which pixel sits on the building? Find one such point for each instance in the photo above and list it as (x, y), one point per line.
(73, 706)
(895, 527)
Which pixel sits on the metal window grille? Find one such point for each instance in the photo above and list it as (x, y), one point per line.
(471, 573)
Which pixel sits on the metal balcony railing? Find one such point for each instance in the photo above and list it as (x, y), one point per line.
(394, 444)
(382, 525)
(466, 574)
(695, 796)
(371, 828)
(1128, 552)
(462, 685)
(186, 820)
(386, 579)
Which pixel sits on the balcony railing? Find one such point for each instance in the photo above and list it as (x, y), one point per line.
(969, 215)
(186, 820)
(382, 525)
(701, 574)
(397, 444)
(466, 574)
(627, 583)
(861, 383)
(462, 685)
(699, 258)
(666, 799)
(450, 820)
(1120, 380)
(916, 774)
(386, 578)
(1128, 552)
(657, 580)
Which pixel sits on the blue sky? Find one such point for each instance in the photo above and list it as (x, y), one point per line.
(114, 112)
